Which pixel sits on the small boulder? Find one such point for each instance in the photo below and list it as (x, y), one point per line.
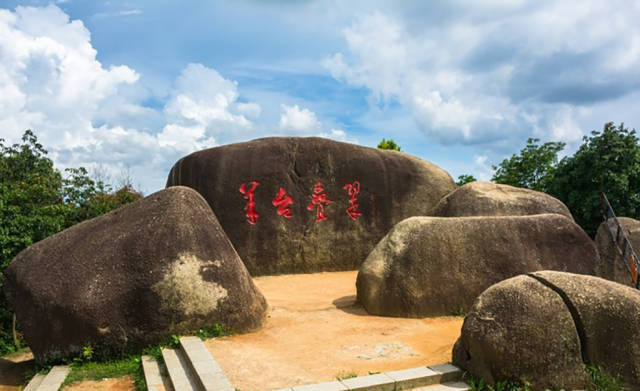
(300, 205)
(429, 266)
(544, 327)
(611, 265)
(132, 277)
(492, 199)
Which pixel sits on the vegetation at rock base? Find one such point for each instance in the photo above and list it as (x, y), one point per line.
(599, 380)
(610, 159)
(389, 144)
(37, 200)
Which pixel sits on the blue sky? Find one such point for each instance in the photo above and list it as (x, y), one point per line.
(132, 86)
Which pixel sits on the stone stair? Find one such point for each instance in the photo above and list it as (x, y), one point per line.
(49, 382)
(192, 368)
(443, 377)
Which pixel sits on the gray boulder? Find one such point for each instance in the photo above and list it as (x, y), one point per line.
(156, 267)
(520, 329)
(300, 205)
(428, 266)
(611, 265)
(544, 327)
(492, 199)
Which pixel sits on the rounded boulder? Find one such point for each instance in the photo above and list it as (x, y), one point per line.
(130, 278)
(611, 264)
(429, 266)
(546, 327)
(300, 205)
(493, 199)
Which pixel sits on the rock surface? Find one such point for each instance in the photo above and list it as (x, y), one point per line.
(519, 329)
(428, 266)
(293, 237)
(132, 277)
(611, 265)
(510, 334)
(492, 199)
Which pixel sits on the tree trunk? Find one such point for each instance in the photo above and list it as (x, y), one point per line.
(15, 334)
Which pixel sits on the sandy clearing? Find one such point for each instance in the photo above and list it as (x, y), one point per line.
(315, 332)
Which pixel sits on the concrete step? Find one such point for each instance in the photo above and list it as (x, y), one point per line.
(53, 379)
(34, 382)
(443, 377)
(153, 376)
(180, 373)
(207, 371)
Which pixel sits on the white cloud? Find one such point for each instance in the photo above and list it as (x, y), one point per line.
(51, 82)
(482, 72)
(298, 119)
(338, 135)
(251, 110)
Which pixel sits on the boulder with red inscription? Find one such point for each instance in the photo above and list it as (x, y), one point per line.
(292, 205)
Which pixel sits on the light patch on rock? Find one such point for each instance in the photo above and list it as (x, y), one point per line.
(184, 290)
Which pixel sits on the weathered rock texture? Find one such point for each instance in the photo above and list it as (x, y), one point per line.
(519, 329)
(393, 186)
(542, 327)
(492, 199)
(153, 268)
(429, 266)
(611, 265)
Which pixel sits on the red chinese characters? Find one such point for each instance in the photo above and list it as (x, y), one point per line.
(353, 189)
(282, 201)
(250, 207)
(319, 201)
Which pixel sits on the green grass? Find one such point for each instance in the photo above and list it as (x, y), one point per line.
(128, 366)
(345, 375)
(599, 379)
(97, 363)
(602, 381)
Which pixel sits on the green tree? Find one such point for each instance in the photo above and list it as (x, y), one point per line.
(36, 201)
(532, 168)
(389, 144)
(464, 179)
(31, 208)
(610, 158)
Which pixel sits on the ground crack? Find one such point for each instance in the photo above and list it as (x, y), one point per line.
(582, 336)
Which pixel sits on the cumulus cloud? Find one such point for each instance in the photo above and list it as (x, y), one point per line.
(296, 119)
(51, 82)
(490, 72)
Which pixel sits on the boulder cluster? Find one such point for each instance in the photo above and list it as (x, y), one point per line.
(182, 259)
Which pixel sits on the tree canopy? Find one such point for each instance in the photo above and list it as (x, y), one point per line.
(389, 144)
(36, 201)
(464, 179)
(532, 168)
(609, 160)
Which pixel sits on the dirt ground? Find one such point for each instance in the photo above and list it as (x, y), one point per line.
(316, 332)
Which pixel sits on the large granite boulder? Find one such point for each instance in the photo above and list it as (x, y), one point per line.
(520, 329)
(429, 266)
(492, 199)
(611, 265)
(294, 205)
(156, 267)
(510, 333)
